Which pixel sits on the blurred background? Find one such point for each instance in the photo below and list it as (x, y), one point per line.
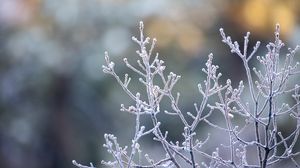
(55, 101)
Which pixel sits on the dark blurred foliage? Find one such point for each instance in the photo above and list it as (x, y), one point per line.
(56, 104)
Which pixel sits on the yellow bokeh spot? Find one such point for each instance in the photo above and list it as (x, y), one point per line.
(189, 38)
(255, 13)
(185, 35)
(163, 30)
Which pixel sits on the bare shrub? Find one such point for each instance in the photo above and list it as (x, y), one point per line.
(265, 107)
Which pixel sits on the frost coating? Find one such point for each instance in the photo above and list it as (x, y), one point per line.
(261, 113)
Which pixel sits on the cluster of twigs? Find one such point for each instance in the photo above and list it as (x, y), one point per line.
(261, 112)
